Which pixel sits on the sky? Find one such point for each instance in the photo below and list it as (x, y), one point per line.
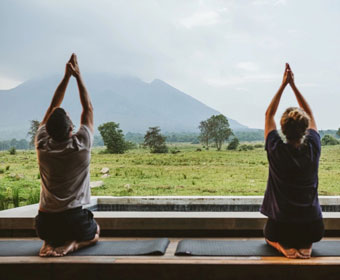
(228, 54)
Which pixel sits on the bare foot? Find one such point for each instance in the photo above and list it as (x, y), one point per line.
(290, 253)
(305, 253)
(46, 250)
(89, 242)
(63, 250)
(72, 246)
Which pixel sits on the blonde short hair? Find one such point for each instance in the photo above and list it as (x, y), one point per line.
(294, 123)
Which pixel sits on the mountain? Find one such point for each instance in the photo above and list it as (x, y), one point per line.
(135, 104)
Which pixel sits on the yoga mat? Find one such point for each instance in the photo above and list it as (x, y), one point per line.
(246, 248)
(102, 248)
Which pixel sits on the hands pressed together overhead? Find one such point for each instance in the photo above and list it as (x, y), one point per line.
(288, 76)
(72, 67)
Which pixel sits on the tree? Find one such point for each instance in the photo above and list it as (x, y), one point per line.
(33, 131)
(205, 135)
(217, 129)
(338, 132)
(155, 141)
(220, 130)
(113, 137)
(329, 140)
(233, 144)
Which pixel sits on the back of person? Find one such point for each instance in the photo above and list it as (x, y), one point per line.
(64, 170)
(293, 179)
(64, 160)
(291, 199)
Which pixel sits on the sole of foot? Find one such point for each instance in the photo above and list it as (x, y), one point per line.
(290, 253)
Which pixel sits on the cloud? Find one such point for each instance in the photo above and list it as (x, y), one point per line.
(243, 80)
(204, 47)
(247, 66)
(269, 2)
(197, 19)
(8, 83)
(309, 85)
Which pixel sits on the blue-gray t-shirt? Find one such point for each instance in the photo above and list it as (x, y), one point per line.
(292, 188)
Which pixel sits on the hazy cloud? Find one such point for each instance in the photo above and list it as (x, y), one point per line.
(209, 49)
(200, 19)
(247, 66)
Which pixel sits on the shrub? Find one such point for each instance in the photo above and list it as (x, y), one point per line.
(155, 141)
(246, 147)
(130, 145)
(233, 144)
(113, 138)
(34, 196)
(329, 140)
(3, 202)
(259, 146)
(15, 197)
(175, 151)
(12, 151)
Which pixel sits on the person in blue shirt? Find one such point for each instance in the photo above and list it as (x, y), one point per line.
(291, 199)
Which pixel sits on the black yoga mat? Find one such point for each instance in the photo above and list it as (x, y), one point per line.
(246, 248)
(102, 248)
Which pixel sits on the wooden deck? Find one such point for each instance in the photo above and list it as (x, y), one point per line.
(168, 266)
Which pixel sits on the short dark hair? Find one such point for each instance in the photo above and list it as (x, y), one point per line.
(58, 125)
(294, 123)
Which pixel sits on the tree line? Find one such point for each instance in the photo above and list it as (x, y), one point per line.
(214, 131)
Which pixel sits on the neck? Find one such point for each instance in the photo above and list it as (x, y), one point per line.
(294, 143)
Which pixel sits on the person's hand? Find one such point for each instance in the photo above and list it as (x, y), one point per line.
(73, 66)
(68, 70)
(286, 77)
(290, 74)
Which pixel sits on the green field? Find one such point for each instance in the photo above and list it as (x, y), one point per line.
(188, 172)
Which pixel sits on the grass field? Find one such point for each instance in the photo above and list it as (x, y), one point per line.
(138, 172)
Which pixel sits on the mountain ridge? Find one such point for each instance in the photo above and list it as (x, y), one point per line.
(128, 100)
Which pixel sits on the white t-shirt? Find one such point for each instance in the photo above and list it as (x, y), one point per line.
(64, 169)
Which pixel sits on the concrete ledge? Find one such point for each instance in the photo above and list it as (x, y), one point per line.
(231, 200)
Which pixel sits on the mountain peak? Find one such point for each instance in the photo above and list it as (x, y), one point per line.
(158, 82)
(134, 104)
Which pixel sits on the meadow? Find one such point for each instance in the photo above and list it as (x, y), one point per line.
(139, 173)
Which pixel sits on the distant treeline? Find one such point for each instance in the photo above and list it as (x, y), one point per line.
(192, 137)
(254, 135)
(250, 136)
(329, 132)
(138, 138)
(187, 137)
(21, 144)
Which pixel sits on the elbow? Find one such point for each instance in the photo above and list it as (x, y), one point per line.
(268, 113)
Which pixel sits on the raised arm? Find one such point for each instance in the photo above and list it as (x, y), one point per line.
(87, 114)
(58, 94)
(302, 101)
(274, 104)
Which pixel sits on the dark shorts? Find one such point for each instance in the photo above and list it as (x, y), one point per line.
(74, 224)
(294, 235)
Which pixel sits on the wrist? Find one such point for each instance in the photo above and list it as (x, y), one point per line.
(67, 75)
(292, 84)
(78, 75)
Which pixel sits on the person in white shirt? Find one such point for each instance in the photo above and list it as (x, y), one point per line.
(64, 160)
